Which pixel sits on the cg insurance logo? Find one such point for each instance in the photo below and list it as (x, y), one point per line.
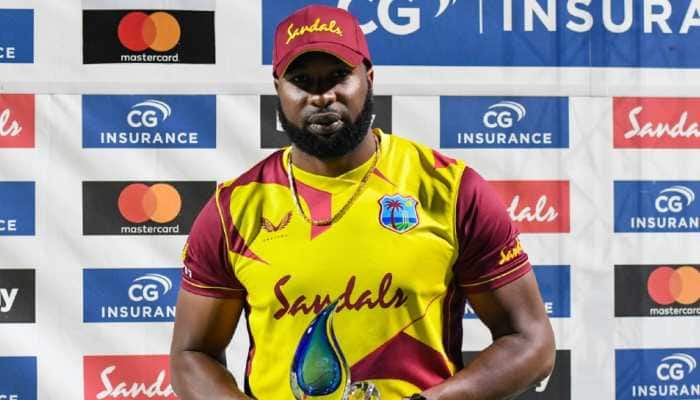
(143, 208)
(130, 294)
(139, 31)
(657, 374)
(144, 121)
(492, 122)
(656, 206)
(148, 36)
(18, 380)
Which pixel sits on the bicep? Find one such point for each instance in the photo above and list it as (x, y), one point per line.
(205, 324)
(514, 308)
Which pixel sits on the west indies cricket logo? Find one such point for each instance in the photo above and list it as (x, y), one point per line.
(398, 213)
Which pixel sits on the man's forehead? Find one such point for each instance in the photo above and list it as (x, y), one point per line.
(316, 58)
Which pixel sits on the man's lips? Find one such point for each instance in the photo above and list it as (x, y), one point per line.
(324, 123)
(324, 118)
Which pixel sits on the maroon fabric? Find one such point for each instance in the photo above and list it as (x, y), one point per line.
(442, 161)
(319, 203)
(269, 170)
(206, 262)
(379, 173)
(452, 315)
(490, 255)
(405, 358)
(236, 242)
(319, 28)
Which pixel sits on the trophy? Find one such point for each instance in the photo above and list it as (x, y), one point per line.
(319, 369)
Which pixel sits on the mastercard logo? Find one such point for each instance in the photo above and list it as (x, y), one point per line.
(139, 31)
(159, 203)
(667, 285)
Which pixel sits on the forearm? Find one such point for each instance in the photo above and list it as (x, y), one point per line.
(196, 376)
(510, 365)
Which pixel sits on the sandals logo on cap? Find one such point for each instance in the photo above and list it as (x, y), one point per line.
(317, 26)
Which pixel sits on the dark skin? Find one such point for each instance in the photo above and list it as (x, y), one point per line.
(522, 352)
(319, 81)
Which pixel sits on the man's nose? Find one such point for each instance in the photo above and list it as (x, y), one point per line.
(323, 99)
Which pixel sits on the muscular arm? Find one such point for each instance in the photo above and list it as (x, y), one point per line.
(522, 352)
(203, 328)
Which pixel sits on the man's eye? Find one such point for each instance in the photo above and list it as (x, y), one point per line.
(299, 79)
(341, 73)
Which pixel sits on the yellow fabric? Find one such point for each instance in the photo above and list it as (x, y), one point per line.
(306, 270)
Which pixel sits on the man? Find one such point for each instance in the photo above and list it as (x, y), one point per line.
(352, 253)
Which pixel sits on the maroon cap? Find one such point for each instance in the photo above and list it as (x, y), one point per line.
(319, 28)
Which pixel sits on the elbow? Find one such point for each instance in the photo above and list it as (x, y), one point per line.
(176, 367)
(546, 355)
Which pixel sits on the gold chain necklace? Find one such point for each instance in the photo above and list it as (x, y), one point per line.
(346, 206)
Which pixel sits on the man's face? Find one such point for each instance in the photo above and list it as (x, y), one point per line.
(325, 105)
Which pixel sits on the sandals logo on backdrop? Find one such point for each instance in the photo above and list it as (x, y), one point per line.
(130, 295)
(656, 206)
(272, 135)
(658, 374)
(536, 206)
(149, 121)
(17, 36)
(657, 291)
(555, 286)
(17, 208)
(142, 377)
(17, 296)
(148, 36)
(571, 33)
(557, 386)
(18, 380)
(143, 208)
(656, 122)
(17, 120)
(495, 122)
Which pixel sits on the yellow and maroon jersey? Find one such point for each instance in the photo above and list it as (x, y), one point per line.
(425, 231)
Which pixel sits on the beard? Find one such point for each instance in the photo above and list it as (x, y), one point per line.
(335, 145)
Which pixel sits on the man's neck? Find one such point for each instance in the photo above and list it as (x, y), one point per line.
(336, 166)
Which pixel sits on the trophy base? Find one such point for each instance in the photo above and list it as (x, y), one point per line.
(362, 391)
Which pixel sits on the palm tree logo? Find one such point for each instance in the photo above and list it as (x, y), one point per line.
(398, 213)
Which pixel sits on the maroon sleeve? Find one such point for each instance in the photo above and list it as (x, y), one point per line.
(207, 271)
(490, 254)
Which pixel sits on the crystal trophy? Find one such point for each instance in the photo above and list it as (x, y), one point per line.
(319, 369)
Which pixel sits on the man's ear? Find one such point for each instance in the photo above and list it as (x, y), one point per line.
(276, 81)
(370, 78)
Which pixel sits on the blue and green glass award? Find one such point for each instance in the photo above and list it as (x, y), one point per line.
(319, 370)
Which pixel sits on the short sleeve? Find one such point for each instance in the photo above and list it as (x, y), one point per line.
(207, 271)
(490, 253)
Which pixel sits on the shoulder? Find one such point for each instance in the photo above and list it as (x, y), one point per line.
(407, 155)
(268, 171)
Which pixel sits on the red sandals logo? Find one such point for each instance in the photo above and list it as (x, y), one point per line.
(536, 206)
(655, 122)
(17, 120)
(127, 377)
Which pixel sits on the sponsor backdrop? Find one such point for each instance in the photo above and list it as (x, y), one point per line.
(122, 115)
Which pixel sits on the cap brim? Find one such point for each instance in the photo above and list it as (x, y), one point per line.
(344, 54)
